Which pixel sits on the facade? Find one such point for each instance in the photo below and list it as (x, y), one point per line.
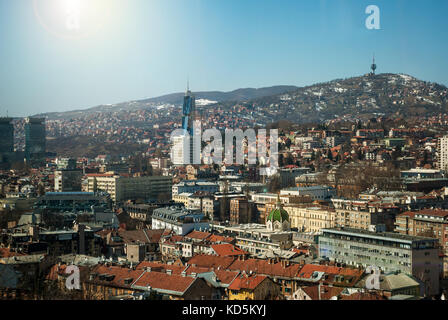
(419, 173)
(242, 211)
(141, 212)
(310, 218)
(316, 192)
(334, 141)
(390, 252)
(442, 148)
(72, 201)
(427, 222)
(288, 175)
(204, 202)
(35, 140)
(66, 163)
(122, 188)
(358, 214)
(183, 198)
(252, 287)
(67, 180)
(6, 139)
(195, 186)
(55, 243)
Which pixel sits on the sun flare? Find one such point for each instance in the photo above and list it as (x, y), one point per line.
(72, 18)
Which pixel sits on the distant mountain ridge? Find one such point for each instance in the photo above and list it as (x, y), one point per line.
(382, 94)
(208, 97)
(361, 96)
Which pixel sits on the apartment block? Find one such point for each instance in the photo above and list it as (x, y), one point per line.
(390, 252)
(123, 187)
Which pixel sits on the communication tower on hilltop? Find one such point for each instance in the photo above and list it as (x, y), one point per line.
(373, 66)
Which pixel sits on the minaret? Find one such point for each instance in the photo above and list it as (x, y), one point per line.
(373, 66)
(278, 204)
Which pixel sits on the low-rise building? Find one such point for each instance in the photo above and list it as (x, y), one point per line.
(179, 219)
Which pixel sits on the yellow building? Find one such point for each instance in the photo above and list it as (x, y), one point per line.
(310, 219)
(252, 287)
(182, 198)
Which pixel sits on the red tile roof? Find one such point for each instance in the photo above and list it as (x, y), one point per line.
(266, 267)
(308, 269)
(407, 213)
(118, 275)
(218, 238)
(144, 235)
(326, 292)
(247, 282)
(209, 261)
(227, 249)
(433, 212)
(157, 280)
(160, 267)
(226, 276)
(198, 235)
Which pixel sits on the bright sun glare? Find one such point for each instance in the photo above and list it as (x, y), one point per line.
(72, 18)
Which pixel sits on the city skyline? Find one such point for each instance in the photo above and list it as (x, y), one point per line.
(146, 49)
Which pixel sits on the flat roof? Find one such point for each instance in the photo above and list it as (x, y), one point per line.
(379, 235)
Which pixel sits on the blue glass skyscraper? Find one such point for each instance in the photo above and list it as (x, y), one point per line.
(188, 111)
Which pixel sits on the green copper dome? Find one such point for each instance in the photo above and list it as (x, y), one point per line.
(278, 214)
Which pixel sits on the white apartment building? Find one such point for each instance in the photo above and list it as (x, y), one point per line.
(315, 192)
(442, 148)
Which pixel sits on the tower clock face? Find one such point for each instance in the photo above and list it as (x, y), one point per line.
(71, 18)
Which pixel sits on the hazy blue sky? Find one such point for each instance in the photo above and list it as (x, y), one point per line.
(147, 48)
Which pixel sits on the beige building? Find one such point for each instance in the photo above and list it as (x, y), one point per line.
(358, 214)
(182, 198)
(122, 187)
(310, 219)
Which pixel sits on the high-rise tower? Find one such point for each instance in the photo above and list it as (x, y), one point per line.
(188, 111)
(6, 139)
(185, 154)
(35, 140)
